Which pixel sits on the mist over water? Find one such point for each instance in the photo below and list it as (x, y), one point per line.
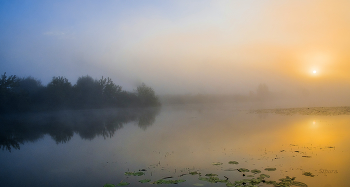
(199, 87)
(96, 147)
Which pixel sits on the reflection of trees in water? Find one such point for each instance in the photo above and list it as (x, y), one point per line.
(61, 126)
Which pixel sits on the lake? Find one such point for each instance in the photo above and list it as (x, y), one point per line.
(98, 147)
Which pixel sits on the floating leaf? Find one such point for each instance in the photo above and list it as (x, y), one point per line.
(134, 173)
(109, 185)
(262, 176)
(255, 171)
(212, 179)
(270, 169)
(233, 162)
(308, 174)
(162, 181)
(145, 180)
(211, 175)
(123, 184)
(243, 170)
(306, 156)
(286, 182)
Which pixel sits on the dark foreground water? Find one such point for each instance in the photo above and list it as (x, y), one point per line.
(93, 148)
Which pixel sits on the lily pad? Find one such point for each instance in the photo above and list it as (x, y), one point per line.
(247, 182)
(109, 185)
(308, 174)
(287, 182)
(123, 184)
(145, 180)
(243, 170)
(262, 176)
(233, 162)
(212, 179)
(211, 175)
(270, 169)
(255, 171)
(134, 173)
(217, 163)
(162, 181)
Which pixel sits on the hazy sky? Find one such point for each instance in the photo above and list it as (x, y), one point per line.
(182, 46)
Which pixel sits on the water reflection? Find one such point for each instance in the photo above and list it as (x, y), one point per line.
(61, 126)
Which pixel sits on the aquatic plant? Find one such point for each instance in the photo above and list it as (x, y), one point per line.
(286, 182)
(123, 184)
(134, 173)
(270, 169)
(212, 179)
(109, 185)
(233, 162)
(162, 181)
(255, 171)
(211, 175)
(243, 170)
(262, 176)
(308, 174)
(145, 180)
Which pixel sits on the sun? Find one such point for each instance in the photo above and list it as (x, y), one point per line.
(314, 71)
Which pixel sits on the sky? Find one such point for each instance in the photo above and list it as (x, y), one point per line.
(182, 47)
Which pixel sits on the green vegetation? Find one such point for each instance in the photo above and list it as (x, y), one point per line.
(109, 185)
(255, 171)
(28, 94)
(162, 181)
(123, 184)
(145, 180)
(270, 169)
(286, 182)
(134, 173)
(308, 174)
(211, 175)
(213, 178)
(243, 170)
(233, 162)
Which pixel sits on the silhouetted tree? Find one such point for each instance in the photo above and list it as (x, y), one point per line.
(59, 93)
(147, 96)
(30, 93)
(88, 93)
(111, 92)
(7, 94)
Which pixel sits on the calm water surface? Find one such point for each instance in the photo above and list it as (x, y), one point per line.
(92, 148)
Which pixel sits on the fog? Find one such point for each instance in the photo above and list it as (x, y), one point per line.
(298, 49)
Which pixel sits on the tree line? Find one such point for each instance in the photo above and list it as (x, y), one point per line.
(28, 94)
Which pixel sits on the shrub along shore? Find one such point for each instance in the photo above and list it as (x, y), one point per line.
(28, 94)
